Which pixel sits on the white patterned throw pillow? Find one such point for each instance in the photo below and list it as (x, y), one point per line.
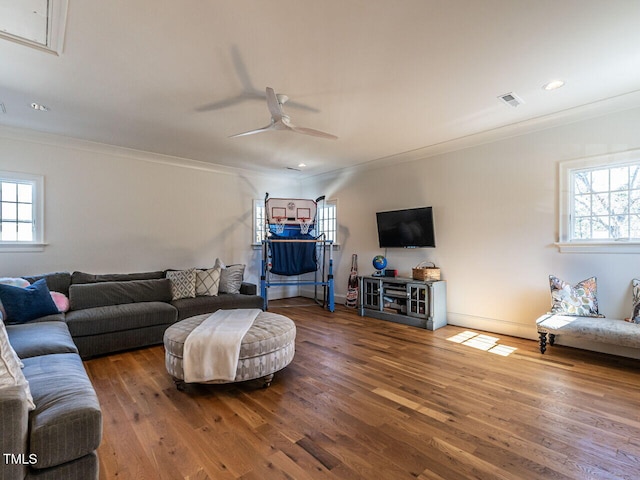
(635, 312)
(208, 282)
(11, 375)
(183, 283)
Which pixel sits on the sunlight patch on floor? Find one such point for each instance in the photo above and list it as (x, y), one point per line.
(482, 342)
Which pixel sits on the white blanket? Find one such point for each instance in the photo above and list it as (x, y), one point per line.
(212, 349)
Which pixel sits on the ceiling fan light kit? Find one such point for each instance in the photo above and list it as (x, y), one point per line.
(282, 121)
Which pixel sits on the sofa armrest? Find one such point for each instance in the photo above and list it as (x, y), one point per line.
(14, 425)
(248, 288)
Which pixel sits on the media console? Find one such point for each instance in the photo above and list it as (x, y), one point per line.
(404, 300)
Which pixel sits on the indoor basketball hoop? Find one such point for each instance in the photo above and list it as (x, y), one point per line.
(278, 227)
(305, 223)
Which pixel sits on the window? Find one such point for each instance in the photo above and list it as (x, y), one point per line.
(600, 204)
(327, 220)
(258, 221)
(20, 210)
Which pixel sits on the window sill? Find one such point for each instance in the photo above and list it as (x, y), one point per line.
(14, 247)
(622, 246)
(258, 246)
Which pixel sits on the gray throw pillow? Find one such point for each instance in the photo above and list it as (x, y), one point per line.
(231, 278)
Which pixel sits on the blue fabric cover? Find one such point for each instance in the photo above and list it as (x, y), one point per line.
(289, 258)
(26, 304)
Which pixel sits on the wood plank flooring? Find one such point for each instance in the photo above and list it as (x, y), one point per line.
(366, 398)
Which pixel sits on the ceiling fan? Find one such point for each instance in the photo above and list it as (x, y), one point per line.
(281, 121)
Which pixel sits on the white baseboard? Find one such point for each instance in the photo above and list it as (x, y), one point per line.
(530, 332)
(493, 325)
(338, 299)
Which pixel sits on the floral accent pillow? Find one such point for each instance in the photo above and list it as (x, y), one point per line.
(635, 312)
(578, 300)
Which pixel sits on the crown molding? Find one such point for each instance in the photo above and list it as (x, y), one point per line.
(568, 116)
(61, 141)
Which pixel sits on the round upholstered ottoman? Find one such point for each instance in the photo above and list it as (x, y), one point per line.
(267, 347)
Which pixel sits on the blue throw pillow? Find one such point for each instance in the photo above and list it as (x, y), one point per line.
(26, 304)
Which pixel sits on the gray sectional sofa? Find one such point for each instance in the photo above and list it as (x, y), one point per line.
(114, 312)
(107, 313)
(59, 438)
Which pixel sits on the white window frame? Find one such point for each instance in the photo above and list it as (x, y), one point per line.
(566, 243)
(37, 243)
(332, 230)
(259, 219)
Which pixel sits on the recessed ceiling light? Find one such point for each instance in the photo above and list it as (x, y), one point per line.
(553, 84)
(39, 107)
(302, 165)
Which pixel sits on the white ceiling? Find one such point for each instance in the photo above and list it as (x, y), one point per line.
(386, 77)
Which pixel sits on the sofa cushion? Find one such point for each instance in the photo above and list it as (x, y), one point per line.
(42, 338)
(82, 277)
(207, 282)
(605, 330)
(188, 307)
(66, 423)
(115, 318)
(580, 299)
(55, 317)
(231, 278)
(25, 304)
(183, 283)
(635, 306)
(61, 301)
(91, 295)
(14, 282)
(57, 281)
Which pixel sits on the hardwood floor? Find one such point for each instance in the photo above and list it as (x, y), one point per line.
(370, 399)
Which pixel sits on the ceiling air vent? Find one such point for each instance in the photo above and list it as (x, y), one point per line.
(511, 99)
(2, 108)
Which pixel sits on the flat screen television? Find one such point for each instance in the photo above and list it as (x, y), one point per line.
(409, 228)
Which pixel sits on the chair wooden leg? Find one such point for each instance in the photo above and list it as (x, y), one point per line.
(180, 385)
(543, 342)
(552, 339)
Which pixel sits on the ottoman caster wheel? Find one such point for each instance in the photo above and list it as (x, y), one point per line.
(267, 380)
(180, 385)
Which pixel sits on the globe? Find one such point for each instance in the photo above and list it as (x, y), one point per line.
(379, 262)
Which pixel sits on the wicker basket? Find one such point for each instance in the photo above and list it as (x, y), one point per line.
(426, 271)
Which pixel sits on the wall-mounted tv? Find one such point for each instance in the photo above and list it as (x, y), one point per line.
(409, 228)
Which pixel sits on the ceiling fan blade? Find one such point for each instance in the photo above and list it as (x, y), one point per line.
(311, 131)
(221, 104)
(274, 105)
(252, 132)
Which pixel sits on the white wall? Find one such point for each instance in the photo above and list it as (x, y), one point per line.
(496, 214)
(495, 206)
(116, 210)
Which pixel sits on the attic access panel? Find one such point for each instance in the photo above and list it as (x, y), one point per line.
(26, 19)
(36, 23)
